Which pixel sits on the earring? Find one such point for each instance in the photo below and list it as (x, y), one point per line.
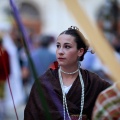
(79, 64)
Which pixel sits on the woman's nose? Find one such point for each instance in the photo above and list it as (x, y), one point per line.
(61, 51)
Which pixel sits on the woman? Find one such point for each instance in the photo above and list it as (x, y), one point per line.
(69, 90)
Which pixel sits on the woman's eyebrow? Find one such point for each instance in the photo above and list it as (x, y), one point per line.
(67, 43)
(57, 43)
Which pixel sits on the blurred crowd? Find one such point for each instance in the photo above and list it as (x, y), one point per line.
(18, 77)
(108, 20)
(15, 63)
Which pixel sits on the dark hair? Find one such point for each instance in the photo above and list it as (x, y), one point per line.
(79, 39)
(1, 40)
(46, 40)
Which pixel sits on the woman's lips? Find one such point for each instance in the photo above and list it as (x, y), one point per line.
(61, 58)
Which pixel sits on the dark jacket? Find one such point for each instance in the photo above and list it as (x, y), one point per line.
(53, 95)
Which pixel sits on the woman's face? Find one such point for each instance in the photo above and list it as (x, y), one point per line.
(67, 52)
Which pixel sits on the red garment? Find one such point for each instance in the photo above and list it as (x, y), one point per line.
(4, 64)
(76, 117)
(54, 65)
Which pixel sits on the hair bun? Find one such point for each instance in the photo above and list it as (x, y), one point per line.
(91, 51)
(73, 28)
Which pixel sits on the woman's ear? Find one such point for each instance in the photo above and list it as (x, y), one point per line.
(80, 52)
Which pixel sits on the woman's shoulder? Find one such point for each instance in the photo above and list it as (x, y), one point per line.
(94, 77)
(52, 71)
(49, 74)
(89, 73)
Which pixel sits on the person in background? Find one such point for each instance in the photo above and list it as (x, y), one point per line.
(69, 90)
(41, 57)
(15, 77)
(4, 73)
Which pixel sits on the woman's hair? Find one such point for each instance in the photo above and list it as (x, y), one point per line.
(79, 39)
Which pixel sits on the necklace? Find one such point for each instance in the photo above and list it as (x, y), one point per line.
(64, 96)
(70, 73)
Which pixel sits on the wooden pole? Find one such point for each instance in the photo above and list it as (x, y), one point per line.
(96, 38)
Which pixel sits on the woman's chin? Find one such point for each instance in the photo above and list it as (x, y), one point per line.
(61, 64)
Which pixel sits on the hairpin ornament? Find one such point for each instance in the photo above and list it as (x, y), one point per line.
(73, 28)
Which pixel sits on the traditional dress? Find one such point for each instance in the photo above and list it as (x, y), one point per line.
(53, 94)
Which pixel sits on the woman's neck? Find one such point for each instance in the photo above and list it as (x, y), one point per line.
(69, 69)
(68, 79)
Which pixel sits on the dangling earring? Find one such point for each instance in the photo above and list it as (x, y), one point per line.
(79, 64)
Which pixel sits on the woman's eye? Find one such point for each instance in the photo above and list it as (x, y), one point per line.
(57, 46)
(67, 47)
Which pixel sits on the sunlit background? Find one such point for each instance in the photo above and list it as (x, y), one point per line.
(44, 21)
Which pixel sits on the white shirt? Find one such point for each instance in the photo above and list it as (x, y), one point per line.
(66, 88)
(15, 75)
